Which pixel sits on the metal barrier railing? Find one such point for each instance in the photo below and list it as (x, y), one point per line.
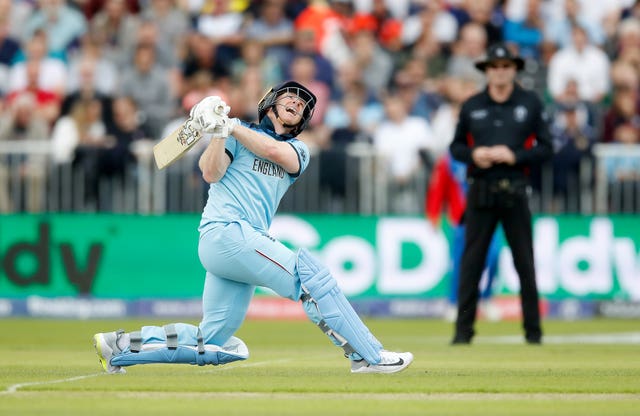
(31, 182)
(617, 178)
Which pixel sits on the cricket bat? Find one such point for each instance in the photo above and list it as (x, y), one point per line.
(171, 148)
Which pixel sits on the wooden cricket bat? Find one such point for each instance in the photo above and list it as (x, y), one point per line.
(171, 148)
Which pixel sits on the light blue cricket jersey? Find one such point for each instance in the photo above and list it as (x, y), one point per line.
(252, 187)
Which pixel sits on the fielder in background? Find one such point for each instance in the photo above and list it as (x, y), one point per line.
(501, 132)
(446, 192)
(249, 168)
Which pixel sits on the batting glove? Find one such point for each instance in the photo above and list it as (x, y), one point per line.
(209, 113)
(224, 128)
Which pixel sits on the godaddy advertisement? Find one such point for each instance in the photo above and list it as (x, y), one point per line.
(155, 257)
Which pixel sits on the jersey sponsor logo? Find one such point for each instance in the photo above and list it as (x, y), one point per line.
(303, 155)
(479, 114)
(520, 113)
(268, 168)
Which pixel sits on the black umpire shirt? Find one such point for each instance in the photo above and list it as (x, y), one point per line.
(520, 123)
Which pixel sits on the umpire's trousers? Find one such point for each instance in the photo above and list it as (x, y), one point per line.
(512, 210)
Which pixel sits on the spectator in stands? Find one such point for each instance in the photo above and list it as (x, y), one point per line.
(583, 62)
(432, 20)
(625, 101)
(490, 16)
(304, 43)
(455, 91)
(116, 28)
(626, 44)
(253, 57)
(91, 70)
(52, 71)
(558, 29)
(402, 140)
(171, 24)
(223, 26)
(328, 21)
(273, 29)
(16, 13)
(429, 47)
(63, 25)
(146, 82)
(92, 7)
(88, 86)
(370, 110)
(526, 34)
(202, 55)
(376, 63)
(77, 135)
(631, 10)
(9, 45)
(572, 138)
(48, 102)
(115, 161)
(9, 49)
(410, 86)
(23, 122)
(334, 160)
(149, 33)
(586, 110)
(467, 50)
(387, 24)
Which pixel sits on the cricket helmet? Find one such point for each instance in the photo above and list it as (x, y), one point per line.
(270, 98)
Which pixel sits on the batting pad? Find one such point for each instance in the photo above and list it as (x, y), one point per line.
(334, 309)
(233, 350)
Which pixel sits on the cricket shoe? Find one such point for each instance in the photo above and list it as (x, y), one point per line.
(106, 346)
(390, 362)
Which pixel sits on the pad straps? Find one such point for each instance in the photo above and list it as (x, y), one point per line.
(135, 341)
(172, 336)
(200, 342)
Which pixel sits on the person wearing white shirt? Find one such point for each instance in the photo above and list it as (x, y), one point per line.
(583, 62)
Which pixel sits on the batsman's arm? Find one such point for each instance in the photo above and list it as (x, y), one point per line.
(214, 161)
(280, 153)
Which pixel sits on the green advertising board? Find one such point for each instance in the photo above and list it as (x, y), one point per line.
(133, 257)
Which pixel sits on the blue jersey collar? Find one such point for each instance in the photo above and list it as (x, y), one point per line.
(267, 126)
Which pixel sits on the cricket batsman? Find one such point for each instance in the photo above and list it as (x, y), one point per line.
(249, 168)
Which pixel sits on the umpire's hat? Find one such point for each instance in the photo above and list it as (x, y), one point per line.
(499, 52)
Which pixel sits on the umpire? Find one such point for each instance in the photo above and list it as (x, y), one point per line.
(501, 132)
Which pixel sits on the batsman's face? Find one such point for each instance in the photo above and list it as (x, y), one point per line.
(290, 107)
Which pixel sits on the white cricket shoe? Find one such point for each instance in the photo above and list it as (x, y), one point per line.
(390, 362)
(106, 346)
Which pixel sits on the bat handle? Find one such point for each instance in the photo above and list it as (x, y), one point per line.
(219, 109)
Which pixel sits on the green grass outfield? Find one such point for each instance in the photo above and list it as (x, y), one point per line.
(48, 367)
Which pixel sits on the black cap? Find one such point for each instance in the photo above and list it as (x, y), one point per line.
(499, 52)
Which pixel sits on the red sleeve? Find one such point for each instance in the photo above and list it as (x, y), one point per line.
(457, 202)
(436, 195)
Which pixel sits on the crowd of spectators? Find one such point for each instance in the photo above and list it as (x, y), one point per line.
(95, 76)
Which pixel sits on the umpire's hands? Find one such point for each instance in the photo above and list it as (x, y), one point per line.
(482, 157)
(502, 154)
(210, 113)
